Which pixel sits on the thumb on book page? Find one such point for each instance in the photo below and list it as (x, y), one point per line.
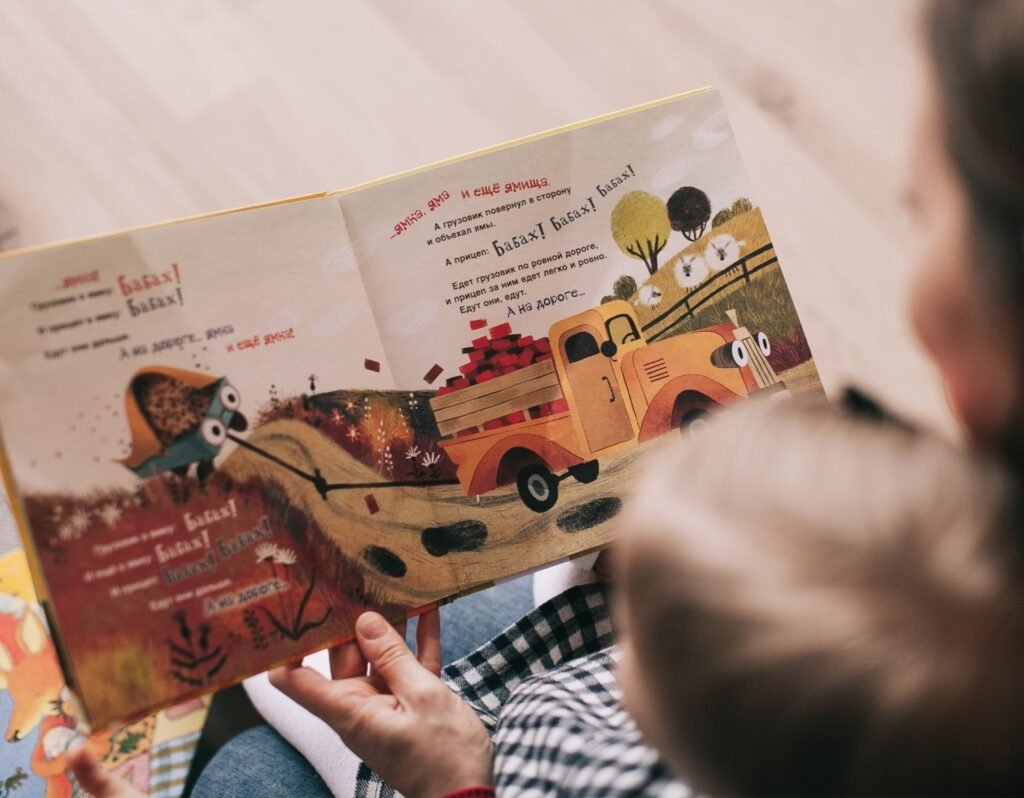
(390, 658)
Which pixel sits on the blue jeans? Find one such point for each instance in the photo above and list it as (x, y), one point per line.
(261, 762)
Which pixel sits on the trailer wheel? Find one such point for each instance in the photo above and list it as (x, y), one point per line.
(585, 472)
(538, 488)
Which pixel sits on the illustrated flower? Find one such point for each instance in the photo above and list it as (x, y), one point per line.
(350, 405)
(412, 453)
(110, 514)
(431, 459)
(66, 531)
(80, 520)
(285, 557)
(266, 552)
(353, 433)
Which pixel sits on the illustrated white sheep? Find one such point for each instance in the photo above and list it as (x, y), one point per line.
(691, 270)
(649, 295)
(723, 251)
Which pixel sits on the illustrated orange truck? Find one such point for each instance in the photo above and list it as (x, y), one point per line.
(608, 388)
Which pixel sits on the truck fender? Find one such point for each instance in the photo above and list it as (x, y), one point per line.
(658, 418)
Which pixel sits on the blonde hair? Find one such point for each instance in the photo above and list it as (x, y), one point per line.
(828, 604)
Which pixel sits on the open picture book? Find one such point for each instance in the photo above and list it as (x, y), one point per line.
(225, 437)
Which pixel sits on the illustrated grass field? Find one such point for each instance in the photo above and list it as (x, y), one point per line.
(748, 228)
(763, 304)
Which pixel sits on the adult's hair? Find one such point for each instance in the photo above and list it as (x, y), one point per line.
(824, 604)
(977, 50)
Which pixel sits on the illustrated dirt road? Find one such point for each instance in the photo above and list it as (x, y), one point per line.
(473, 541)
(427, 542)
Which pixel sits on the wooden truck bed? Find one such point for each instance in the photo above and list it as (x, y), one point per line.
(490, 404)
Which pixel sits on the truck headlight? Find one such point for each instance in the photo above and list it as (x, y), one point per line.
(732, 355)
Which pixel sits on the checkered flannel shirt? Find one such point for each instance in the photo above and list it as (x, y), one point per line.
(545, 691)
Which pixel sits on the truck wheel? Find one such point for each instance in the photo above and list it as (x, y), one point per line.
(693, 422)
(691, 411)
(538, 488)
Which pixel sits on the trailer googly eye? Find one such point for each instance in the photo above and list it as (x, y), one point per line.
(764, 344)
(229, 397)
(740, 356)
(213, 432)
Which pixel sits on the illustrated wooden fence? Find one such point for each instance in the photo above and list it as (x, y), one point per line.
(692, 301)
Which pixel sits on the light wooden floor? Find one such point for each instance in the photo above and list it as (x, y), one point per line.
(122, 113)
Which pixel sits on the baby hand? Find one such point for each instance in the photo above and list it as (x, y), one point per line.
(96, 781)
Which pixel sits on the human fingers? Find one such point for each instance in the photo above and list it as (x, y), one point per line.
(402, 627)
(390, 658)
(96, 781)
(310, 689)
(428, 641)
(366, 719)
(347, 661)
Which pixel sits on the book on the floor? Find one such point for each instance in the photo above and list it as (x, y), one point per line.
(225, 437)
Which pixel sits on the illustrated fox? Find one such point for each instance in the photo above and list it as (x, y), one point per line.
(30, 672)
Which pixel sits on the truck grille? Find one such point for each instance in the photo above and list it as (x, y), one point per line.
(656, 370)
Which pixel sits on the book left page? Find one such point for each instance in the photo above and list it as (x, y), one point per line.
(167, 402)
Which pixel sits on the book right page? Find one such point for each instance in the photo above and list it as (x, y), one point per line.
(574, 299)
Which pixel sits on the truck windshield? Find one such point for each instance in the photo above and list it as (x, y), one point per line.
(621, 329)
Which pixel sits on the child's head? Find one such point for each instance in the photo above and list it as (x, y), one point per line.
(818, 603)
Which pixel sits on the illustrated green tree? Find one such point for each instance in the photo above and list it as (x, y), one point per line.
(739, 207)
(640, 227)
(689, 210)
(721, 217)
(624, 287)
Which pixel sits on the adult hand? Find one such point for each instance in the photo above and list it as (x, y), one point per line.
(96, 781)
(400, 719)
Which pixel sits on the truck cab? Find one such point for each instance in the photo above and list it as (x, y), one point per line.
(589, 350)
